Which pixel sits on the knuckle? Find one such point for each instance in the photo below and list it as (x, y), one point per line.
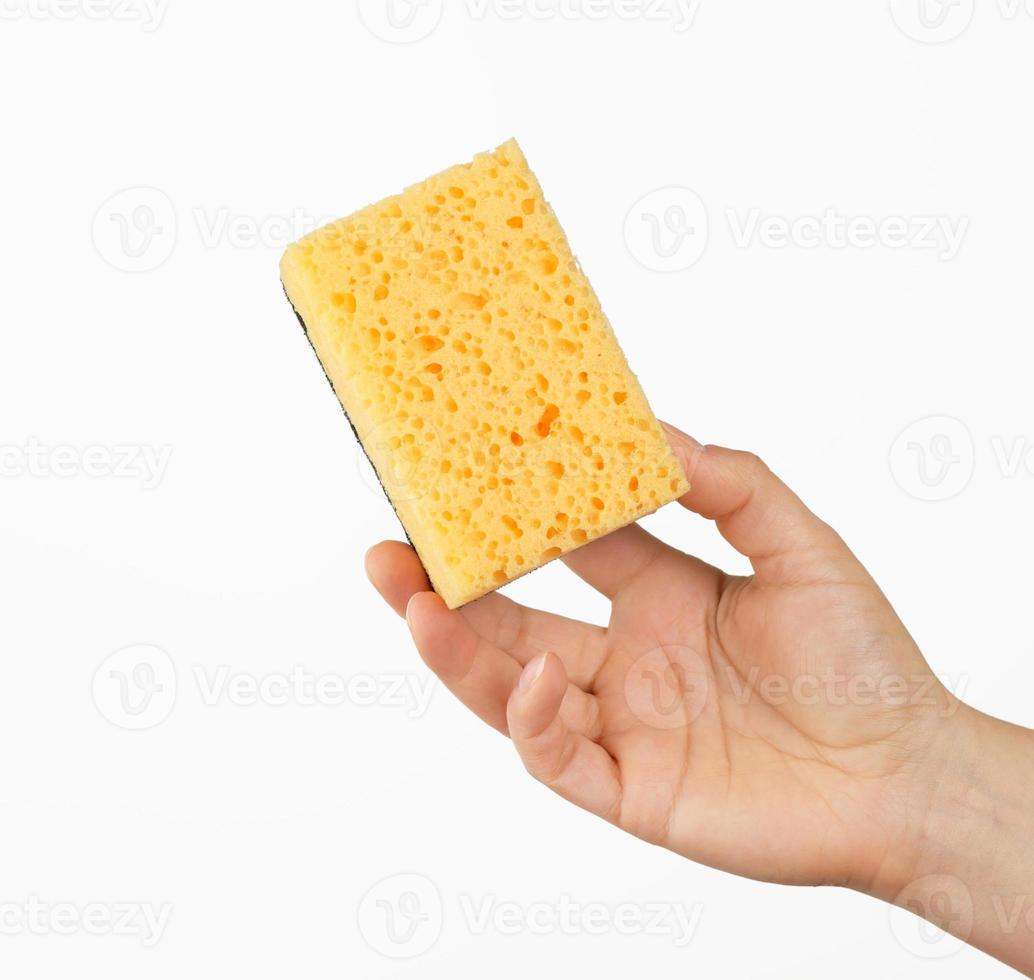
(546, 764)
(541, 770)
(757, 464)
(754, 467)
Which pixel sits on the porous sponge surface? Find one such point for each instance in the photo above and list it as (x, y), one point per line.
(485, 383)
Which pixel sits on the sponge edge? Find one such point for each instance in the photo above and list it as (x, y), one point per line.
(471, 356)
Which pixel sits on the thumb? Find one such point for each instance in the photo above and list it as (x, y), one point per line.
(758, 514)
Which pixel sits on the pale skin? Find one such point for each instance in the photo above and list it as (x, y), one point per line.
(782, 726)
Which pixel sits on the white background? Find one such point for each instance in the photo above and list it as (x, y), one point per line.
(264, 825)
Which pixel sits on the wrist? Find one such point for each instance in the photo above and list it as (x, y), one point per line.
(966, 864)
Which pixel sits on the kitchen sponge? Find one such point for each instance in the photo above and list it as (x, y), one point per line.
(473, 360)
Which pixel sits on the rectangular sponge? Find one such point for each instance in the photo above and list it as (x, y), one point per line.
(474, 362)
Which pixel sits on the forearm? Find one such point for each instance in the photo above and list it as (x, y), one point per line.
(973, 870)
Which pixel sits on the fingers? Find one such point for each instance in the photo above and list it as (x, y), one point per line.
(573, 766)
(480, 674)
(754, 510)
(552, 723)
(523, 633)
(396, 573)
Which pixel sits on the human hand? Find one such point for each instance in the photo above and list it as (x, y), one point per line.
(783, 726)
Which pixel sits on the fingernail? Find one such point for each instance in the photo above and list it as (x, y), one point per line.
(531, 672)
(409, 605)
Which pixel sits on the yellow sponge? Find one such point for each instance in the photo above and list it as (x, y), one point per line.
(473, 360)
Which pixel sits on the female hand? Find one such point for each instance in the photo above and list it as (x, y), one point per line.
(783, 726)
